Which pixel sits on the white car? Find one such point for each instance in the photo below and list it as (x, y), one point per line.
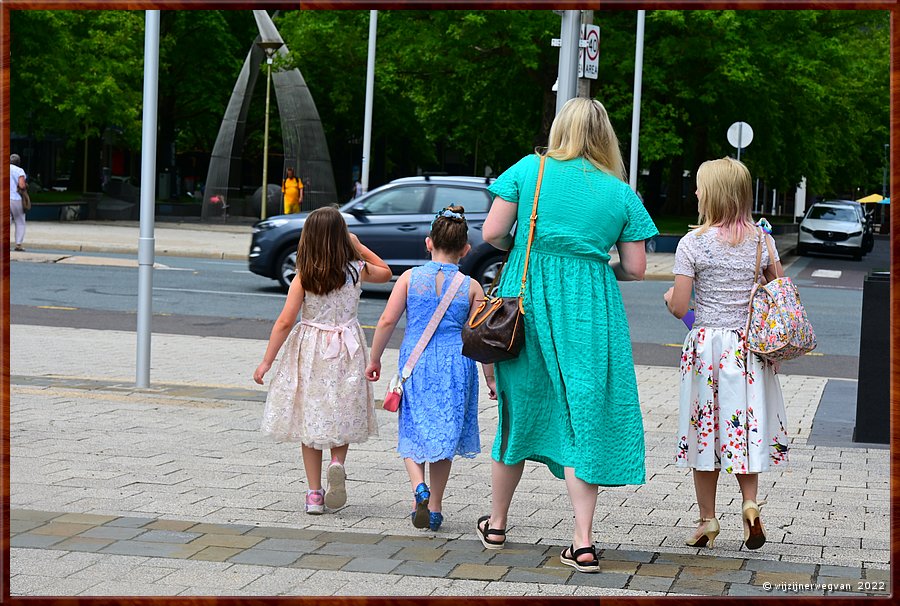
(832, 227)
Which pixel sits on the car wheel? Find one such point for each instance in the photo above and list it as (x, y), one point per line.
(286, 267)
(858, 255)
(488, 270)
(868, 243)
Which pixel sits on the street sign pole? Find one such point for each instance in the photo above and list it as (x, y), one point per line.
(570, 36)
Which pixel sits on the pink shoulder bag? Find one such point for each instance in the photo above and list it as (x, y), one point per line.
(394, 394)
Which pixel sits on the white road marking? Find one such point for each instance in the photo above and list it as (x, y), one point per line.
(826, 273)
(221, 292)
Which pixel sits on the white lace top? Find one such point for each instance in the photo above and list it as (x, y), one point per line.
(723, 276)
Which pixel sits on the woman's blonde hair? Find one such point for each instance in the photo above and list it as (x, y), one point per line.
(726, 198)
(582, 129)
(325, 253)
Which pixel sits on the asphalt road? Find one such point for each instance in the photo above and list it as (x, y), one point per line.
(221, 298)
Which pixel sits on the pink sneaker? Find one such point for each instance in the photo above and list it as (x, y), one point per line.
(315, 502)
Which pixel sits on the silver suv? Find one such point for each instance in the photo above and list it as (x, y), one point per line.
(835, 226)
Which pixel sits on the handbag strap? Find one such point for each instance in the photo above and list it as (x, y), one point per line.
(432, 324)
(758, 256)
(771, 257)
(534, 206)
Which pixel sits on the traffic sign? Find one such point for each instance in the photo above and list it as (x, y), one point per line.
(739, 134)
(592, 52)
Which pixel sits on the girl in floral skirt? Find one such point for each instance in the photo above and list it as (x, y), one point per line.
(731, 408)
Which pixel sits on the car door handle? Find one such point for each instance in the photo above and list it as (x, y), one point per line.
(476, 225)
(406, 227)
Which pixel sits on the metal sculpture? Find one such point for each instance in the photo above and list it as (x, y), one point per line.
(305, 147)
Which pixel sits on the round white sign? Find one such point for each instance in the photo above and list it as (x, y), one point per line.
(740, 134)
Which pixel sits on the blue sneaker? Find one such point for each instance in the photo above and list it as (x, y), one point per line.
(420, 516)
(435, 519)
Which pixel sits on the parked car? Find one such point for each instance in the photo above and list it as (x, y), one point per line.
(867, 218)
(392, 220)
(835, 226)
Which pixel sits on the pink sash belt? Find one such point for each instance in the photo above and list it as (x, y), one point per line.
(342, 333)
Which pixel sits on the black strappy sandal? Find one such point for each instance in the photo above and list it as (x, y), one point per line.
(484, 532)
(592, 566)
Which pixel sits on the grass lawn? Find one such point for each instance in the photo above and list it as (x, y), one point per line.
(679, 225)
(58, 197)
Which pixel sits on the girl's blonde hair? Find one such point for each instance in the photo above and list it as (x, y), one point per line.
(726, 198)
(582, 129)
(325, 252)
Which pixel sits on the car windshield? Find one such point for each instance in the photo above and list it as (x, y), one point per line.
(831, 213)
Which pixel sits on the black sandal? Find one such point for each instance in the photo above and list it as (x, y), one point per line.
(592, 566)
(484, 532)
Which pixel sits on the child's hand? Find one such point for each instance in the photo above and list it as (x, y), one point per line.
(492, 386)
(668, 296)
(373, 370)
(261, 371)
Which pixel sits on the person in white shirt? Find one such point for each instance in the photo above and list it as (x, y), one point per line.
(16, 183)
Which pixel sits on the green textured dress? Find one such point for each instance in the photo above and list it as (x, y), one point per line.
(570, 398)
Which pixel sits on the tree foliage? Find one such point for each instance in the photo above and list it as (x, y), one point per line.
(458, 90)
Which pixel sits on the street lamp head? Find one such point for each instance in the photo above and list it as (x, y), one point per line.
(269, 47)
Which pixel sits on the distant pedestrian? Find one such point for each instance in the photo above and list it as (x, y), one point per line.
(17, 187)
(357, 189)
(439, 409)
(570, 399)
(292, 192)
(319, 395)
(732, 414)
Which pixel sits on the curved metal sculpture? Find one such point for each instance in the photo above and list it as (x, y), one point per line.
(305, 147)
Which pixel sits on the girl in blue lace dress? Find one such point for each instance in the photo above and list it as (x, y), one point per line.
(439, 409)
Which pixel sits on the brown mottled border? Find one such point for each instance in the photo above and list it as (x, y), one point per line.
(7, 5)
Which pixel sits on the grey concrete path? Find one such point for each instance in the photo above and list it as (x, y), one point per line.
(188, 451)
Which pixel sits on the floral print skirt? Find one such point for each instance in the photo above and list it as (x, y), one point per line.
(731, 408)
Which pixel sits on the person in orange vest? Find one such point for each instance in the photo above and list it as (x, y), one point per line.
(292, 190)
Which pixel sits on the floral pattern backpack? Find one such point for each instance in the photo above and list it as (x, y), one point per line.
(777, 326)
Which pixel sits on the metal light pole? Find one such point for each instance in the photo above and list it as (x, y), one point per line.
(636, 111)
(146, 241)
(269, 47)
(370, 91)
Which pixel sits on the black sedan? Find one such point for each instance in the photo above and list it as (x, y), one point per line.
(393, 221)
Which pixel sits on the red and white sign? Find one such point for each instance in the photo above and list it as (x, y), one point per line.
(589, 65)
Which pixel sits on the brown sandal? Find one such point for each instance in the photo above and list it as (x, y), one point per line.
(485, 531)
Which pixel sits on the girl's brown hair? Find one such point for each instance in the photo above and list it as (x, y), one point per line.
(325, 253)
(448, 232)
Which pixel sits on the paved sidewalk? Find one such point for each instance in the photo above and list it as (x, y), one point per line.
(173, 490)
(214, 240)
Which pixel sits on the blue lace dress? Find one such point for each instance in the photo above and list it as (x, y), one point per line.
(439, 410)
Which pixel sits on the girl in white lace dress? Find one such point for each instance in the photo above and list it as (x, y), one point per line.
(319, 395)
(731, 407)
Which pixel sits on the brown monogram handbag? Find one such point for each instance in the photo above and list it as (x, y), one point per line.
(496, 329)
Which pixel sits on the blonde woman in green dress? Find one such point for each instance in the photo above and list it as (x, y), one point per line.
(569, 400)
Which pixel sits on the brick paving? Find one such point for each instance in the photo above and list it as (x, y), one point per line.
(239, 545)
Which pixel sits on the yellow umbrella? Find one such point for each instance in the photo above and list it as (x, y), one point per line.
(871, 198)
